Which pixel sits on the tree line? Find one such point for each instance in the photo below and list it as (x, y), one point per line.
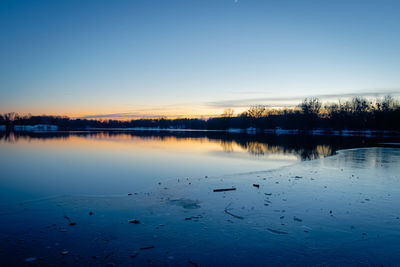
(355, 114)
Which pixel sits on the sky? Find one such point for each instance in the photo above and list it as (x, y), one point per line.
(126, 59)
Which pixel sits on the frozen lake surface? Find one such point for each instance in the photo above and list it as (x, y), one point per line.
(73, 200)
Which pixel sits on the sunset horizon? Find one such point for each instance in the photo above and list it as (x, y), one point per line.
(180, 59)
(207, 110)
(200, 133)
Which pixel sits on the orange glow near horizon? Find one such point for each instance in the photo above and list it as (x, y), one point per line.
(115, 113)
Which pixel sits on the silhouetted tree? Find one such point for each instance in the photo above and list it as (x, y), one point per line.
(256, 112)
(310, 106)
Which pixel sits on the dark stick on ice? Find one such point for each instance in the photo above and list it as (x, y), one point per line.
(277, 231)
(149, 247)
(297, 219)
(224, 189)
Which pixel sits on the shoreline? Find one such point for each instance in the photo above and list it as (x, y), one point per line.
(246, 131)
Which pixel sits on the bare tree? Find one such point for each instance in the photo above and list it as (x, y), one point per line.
(386, 104)
(310, 106)
(256, 111)
(360, 105)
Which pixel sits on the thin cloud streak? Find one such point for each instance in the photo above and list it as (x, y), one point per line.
(118, 115)
(139, 116)
(288, 101)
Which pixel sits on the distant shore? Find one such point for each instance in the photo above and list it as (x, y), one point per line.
(250, 130)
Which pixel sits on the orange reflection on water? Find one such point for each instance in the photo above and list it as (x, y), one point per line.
(109, 141)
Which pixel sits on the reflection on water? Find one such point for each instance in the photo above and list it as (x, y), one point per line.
(114, 162)
(301, 146)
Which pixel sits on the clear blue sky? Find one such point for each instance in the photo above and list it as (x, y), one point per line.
(192, 57)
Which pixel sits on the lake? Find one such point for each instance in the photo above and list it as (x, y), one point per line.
(298, 199)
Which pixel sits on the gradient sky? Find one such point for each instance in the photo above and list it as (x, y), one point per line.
(137, 58)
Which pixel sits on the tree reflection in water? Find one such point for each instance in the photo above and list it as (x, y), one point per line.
(306, 147)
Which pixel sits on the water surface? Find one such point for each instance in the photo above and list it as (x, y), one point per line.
(319, 200)
(35, 165)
